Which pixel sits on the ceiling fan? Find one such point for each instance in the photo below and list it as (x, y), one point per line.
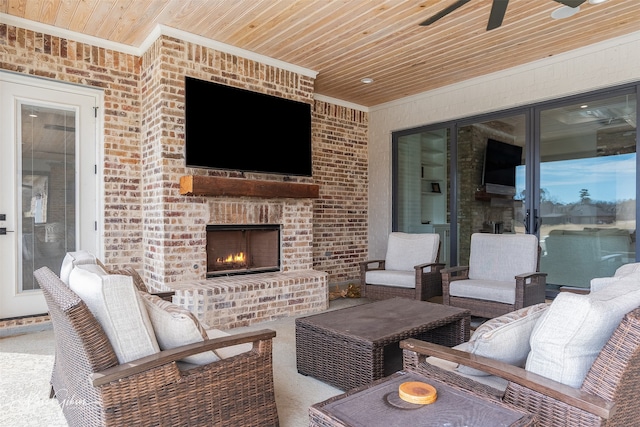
(498, 9)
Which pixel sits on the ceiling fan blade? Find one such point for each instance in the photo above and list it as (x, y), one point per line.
(498, 9)
(447, 10)
(571, 3)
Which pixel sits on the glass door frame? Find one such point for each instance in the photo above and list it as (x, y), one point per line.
(532, 113)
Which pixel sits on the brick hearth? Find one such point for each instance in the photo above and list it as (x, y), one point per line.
(234, 301)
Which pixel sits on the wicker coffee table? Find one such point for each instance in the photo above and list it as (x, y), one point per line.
(378, 404)
(354, 346)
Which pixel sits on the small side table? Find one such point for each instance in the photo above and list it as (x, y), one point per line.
(378, 404)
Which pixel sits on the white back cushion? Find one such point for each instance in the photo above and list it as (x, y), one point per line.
(626, 269)
(569, 336)
(406, 250)
(502, 257)
(114, 301)
(72, 259)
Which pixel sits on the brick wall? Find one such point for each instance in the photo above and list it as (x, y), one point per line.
(117, 74)
(174, 226)
(340, 220)
(147, 224)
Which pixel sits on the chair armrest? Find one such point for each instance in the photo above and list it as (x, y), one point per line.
(455, 273)
(561, 392)
(532, 275)
(366, 265)
(167, 296)
(435, 266)
(137, 366)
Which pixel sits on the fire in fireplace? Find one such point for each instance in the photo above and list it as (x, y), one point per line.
(242, 249)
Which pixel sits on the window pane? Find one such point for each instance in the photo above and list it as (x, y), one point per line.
(587, 190)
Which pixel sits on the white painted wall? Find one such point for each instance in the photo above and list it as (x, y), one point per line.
(606, 64)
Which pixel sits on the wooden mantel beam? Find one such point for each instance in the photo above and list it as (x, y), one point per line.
(197, 185)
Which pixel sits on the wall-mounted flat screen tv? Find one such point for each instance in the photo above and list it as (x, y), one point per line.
(237, 129)
(500, 161)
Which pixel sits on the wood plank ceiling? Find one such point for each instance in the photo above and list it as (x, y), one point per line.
(346, 40)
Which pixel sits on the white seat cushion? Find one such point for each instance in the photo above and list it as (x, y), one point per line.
(403, 279)
(567, 339)
(114, 301)
(73, 259)
(175, 326)
(489, 290)
(406, 250)
(505, 338)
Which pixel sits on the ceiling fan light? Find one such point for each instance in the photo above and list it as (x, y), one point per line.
(564, 12)
(596, 1)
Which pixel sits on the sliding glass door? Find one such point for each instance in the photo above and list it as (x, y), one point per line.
(564, 170)
(587, 189)
(491, 186)
(421, 184)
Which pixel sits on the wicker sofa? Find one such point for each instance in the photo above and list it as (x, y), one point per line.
(579, 363)
(96, 388)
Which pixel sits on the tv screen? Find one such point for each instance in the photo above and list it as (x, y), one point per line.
(237, 129)
(500, 161)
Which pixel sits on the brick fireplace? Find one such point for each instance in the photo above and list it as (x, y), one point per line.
(237, 299)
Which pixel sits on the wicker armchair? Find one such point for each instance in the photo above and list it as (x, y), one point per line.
(94, 390)
(409, 270)
(607, 396)
(502, 276)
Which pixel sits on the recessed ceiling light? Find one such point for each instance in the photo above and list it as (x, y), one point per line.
(366, 80)
(564, 12)
(596, 1)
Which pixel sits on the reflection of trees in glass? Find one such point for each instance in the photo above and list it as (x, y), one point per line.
(602, 212)
(584, 196)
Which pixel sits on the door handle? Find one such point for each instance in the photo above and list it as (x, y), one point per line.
(537, 221)
(4, 230)
(526, 221)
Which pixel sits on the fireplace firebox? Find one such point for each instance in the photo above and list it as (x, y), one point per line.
(242, 249)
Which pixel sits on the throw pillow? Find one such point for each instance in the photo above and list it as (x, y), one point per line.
(73, 259)
(175, 326)
(567, 340)
(505, 338)
(114, 301)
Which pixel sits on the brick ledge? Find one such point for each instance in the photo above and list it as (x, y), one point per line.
(234, 301)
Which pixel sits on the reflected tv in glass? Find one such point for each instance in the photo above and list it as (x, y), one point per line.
(236, 129)
(500, 161)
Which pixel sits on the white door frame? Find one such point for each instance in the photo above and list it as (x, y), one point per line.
(16, 88)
